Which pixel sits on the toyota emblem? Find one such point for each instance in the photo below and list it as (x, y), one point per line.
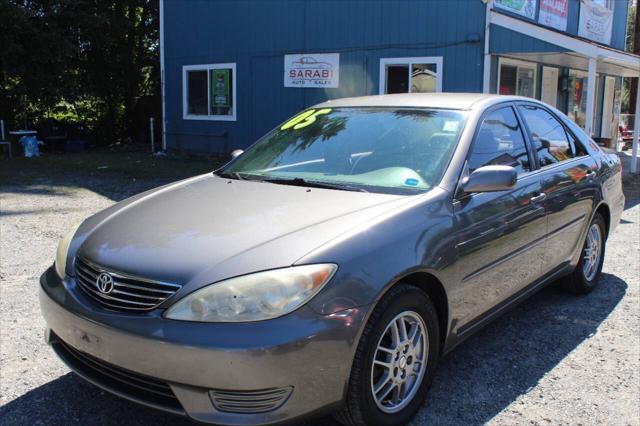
(104, 283)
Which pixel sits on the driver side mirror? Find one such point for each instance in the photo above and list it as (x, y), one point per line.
(236, 153)
(490, 179)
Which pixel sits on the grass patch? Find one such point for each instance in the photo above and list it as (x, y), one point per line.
(106, 163)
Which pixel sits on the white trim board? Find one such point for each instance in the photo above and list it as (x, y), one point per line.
(208, 68)
(437, 60)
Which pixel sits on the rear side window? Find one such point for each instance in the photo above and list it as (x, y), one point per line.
(500, 142)
(548, 136)
(576, 146)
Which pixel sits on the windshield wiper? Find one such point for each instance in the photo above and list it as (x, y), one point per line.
(314, 184)
(230, 175)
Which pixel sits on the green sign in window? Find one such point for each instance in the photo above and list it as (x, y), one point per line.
(220, 88)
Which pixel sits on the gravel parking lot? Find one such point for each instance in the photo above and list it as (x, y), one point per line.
(556, 359)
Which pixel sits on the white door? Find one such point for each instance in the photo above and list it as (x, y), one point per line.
(549, 93)
(607, 108)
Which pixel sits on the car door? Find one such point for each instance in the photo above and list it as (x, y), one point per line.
(568, 182)
(500, 235)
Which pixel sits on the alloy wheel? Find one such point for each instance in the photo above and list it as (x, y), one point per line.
(592, 252)
(399, 362)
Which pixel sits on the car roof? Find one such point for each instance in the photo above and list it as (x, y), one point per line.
(464, 101)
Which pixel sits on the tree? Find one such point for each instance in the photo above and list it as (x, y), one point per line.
(96, 59)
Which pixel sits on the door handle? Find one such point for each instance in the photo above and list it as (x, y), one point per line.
(591, 174)
(539, 198)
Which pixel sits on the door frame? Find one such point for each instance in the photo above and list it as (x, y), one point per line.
(545, 69)
(607, 107)
(409, 61)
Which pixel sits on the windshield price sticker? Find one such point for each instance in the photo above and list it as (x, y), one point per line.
(301, 121)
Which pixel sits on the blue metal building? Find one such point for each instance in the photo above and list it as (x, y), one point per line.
(232, 70)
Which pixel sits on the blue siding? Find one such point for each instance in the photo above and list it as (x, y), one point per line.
(504, 40)
(256, 35)
(620, 12)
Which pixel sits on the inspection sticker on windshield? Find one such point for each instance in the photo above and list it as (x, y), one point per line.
(411, 182)
(304, 119)
(450, 126)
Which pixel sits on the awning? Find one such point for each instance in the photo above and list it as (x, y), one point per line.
(571, 51)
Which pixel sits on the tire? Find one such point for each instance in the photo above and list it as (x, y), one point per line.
(586, 275)
(403, 304)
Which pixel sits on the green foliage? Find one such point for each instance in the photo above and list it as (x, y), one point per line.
(631, 18)
(93, 61)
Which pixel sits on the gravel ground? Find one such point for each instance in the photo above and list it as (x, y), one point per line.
(556, 359)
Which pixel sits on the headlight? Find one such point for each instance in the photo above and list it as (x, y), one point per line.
(62, 252)
(253, 297)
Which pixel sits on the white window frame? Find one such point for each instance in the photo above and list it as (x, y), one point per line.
(518, 63)
(208, 68)
(384, 62)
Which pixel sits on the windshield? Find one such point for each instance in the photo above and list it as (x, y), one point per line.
(377, 149)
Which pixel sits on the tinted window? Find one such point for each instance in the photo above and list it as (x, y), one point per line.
(583, 139)
(547, 135)
(576, 146)
(500, 141)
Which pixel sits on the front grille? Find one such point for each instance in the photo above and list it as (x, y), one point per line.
(129, 293)
(249, 402)
(144, 389)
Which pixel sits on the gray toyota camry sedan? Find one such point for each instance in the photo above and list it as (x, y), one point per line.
(329, 266)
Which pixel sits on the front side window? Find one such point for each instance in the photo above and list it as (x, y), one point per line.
(209, 92)
(548, 136)
(392, 150)
(500, 142)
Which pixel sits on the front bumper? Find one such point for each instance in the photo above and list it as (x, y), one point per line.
(306, 355)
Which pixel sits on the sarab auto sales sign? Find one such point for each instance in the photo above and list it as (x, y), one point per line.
(310, 70)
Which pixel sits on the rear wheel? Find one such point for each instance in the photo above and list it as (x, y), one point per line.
(587, 273)
(395, 360)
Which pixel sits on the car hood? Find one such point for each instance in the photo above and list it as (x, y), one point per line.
(208, 228)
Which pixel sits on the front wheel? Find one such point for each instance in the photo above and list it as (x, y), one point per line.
(587, 273)
(395, 360)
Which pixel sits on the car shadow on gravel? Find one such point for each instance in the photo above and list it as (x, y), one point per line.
(474, 383)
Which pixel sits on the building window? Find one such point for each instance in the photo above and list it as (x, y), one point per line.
(209, 92)
(516, 78)
(411, 75)
(608, 4)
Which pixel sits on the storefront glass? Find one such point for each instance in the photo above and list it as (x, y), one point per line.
(517, 79)
(577, 103)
